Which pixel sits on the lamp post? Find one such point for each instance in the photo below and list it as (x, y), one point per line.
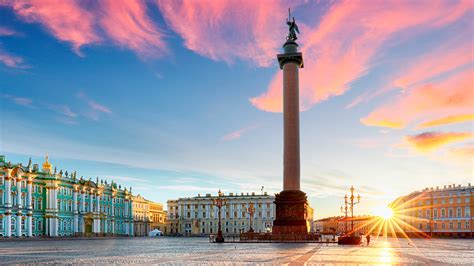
(352, 207)
(251, 211)
(219, 201)
(344, 210)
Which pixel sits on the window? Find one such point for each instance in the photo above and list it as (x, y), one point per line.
(466, 200)
(420, 213)
(451, 200)
(1, 224)
(443, 201)
(1, 197)
(428, 202)
(467, 212)
(23, 225)
(466, 226)
(451, 212)
(428, 213)
(443, 226)
(458, 200)
(459, 225)
(435, 201)
(459, 212)
(435, 226)
(435, 213)
(1, 180)
(443, 213)
(450, 225)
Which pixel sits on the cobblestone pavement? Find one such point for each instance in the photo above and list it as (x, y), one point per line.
(198, 251)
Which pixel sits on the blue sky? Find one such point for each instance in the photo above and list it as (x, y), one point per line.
(175, 106)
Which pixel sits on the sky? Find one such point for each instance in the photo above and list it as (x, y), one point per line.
(176, 98)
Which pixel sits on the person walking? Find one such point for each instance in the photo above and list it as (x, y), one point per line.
(367, 237)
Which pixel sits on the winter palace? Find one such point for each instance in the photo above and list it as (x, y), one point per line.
(44, 202)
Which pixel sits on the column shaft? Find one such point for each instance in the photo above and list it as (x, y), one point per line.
(291, 160)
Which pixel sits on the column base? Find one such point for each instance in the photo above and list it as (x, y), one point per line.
(290, 213)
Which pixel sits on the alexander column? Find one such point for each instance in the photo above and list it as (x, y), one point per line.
(291, 202)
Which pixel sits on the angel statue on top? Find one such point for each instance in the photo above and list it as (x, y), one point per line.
(293, 28)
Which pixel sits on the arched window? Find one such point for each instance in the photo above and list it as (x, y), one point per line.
(33, 201)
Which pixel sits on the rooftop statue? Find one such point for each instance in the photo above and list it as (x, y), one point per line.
(292, 27)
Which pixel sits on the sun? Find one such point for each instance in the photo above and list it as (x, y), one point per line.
(384, 212)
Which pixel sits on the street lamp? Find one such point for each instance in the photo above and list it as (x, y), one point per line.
(344, 210)
(352, 207)
(251, 211)
(219, 201)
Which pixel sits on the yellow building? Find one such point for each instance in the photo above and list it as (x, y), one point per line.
(158, 216)
(436, 212)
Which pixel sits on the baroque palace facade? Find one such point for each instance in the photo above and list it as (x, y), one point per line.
(44, 202)
(147, 216)
(197, 216)
(437, 211)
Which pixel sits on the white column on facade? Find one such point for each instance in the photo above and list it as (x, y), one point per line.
(8, 224)
(55, 205)
(75, 210)
(18, 224)
(8, 204)
(83, 201)
(132, 229)
(113, 215)
(18, 192)
(97, 204)
(8, 191)
(29, 190)
(91, 205)
(29, 224)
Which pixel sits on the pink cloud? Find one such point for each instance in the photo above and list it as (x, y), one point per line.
(430, 141)
(7, 32)
(128, 24)
(447, 57)
(66, 20)
(95, 108)
(452, 96)
(27, 102)
(10, 60)
(237, 134)
(226, 30)
(62, 109)
(341, 48)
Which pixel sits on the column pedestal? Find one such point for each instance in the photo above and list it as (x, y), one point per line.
(290, 213)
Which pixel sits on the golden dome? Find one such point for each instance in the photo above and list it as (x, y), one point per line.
(46, 164)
